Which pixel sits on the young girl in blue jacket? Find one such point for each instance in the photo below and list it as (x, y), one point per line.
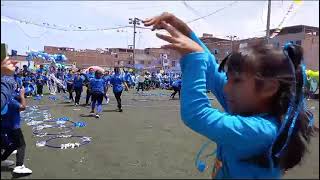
(261, 132)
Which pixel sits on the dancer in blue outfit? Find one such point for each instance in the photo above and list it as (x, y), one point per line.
(97, 88)
(69, 80)
(40, 82)
(176, 86)
(78, 82)
(89, 76)
(116, 80)
(261, 134)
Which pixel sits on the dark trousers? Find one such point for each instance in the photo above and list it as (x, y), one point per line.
(70, 90)
(129, 84)
(88, 96)
(118, 98)
(39, 89)
(97, 97)
(176, 90)
(60, 89)
(78, 94)
(140, 86)
(17, 143)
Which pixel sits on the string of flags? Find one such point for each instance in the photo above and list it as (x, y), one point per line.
(8, 19)
(292, 8)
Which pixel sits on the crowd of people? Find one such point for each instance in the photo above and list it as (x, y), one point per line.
(19, 84)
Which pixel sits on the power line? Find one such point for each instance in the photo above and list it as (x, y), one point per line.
(59, 5)
(210, 14)
(55, 27)
(191, 8)
(31, 37)
(46, 25)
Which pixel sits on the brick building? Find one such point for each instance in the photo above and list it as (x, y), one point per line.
(218, 47)
(150, 58)
(306, 36)
(84, 58)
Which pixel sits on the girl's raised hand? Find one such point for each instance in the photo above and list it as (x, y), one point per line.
(156, 21)
(179, 42)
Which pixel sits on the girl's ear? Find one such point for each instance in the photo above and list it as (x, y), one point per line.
(270, 88)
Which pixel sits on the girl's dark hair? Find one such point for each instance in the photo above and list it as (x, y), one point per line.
(266, 62)
(116, 70)
(98, 73)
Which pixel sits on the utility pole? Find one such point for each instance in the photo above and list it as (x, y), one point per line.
(268, 22)
(232, 38)
(135, 21)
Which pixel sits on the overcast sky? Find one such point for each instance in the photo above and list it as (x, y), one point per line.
(243, 18)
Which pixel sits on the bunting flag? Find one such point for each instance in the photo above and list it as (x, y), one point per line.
(292, 8)
(8, 19)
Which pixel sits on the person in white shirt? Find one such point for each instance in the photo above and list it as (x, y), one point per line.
(141, 80)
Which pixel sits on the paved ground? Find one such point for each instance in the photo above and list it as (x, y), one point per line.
(147, 140)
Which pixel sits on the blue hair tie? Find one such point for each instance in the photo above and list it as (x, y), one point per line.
(301, 105)
(292, 109)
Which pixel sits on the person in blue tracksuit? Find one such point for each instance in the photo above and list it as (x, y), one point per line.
(106, 78)
(18, 78)
(176, 85)
(89, 76)
(40, 82)
(25, 70)
(69, 77)
(28, 84)
(11, 134)
(260, 135)
(116, 80)
(78, 82)
(97, 88)
(128, 78)
(41, 69)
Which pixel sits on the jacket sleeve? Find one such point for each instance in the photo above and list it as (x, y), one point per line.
(6, 93)
(215, 80)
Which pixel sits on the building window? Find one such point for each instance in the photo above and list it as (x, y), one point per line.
(142, 62)
(173, 64)
(149, 62)
(116, 55)
(298, 42)
(129, 62)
